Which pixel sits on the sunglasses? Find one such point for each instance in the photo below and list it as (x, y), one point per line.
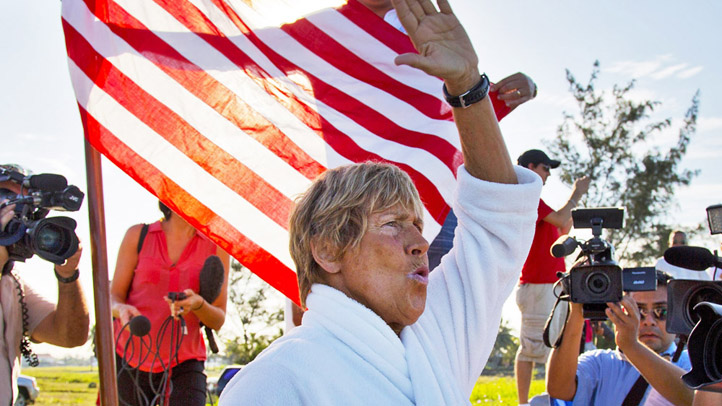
(660, 313)
(547, 167)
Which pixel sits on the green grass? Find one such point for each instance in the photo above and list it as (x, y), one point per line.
(60, 386)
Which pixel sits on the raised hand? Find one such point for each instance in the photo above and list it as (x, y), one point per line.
(443, 45)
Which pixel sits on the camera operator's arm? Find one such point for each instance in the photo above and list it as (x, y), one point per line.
(123, 276)
(664, 376)
(67, 325)
(213, 314)
(562, 218)
(704, 398)
(562, 366)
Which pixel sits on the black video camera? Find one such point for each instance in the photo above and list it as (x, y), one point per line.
(30, 232)
(695, 309)
(596, 278)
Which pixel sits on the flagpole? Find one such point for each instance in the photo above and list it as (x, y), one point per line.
(101, 285)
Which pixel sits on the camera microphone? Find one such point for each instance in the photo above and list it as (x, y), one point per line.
(563, 246)
(139, 326)
(48, 182)
(694, 258)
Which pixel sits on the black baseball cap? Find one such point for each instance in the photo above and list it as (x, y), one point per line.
(536, 157)
(13, 172)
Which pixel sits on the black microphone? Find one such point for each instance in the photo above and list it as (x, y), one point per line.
(563, 246)
(139, 326)
(211, 281)
(694, 258)
(48, 182)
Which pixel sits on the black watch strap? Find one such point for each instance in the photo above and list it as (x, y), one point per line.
(471, 96)
(71, 278)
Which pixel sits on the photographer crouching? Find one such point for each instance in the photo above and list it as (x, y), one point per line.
(24, 202)
(606, 377)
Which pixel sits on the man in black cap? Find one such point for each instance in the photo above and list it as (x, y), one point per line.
(24, 314)
(535, 297)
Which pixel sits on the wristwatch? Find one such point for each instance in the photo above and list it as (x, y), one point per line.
(471, 96)
(70, 278)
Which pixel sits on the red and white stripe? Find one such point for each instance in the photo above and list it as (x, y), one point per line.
(227, 114)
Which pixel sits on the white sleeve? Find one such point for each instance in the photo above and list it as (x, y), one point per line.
(468, 290)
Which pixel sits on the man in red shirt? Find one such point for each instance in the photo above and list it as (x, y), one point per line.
(535, 297)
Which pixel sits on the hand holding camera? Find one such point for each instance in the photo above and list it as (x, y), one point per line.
(27, 231)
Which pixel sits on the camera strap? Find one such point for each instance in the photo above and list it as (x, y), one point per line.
(141, 238)
(636, 394)
(547, 326)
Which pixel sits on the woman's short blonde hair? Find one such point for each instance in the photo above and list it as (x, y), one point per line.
(334, 212)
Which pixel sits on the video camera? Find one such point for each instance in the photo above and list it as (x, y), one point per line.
(595, 278)
(30, 232)
(695, 309)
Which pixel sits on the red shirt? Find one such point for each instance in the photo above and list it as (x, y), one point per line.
(540, 265)
(154, 277)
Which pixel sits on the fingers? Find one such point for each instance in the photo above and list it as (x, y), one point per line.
(444, 7)
(6, 214)
(407, 18)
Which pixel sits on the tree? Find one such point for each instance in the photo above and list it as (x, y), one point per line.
(505, 347)
(608, 141)
(259, 320)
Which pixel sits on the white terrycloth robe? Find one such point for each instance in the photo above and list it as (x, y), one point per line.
(344, 354)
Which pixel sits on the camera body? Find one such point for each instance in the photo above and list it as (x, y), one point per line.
(29, 232)
(596, 278)
(694, 308)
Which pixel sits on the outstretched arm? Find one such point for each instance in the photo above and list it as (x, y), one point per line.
(444, 50)
(664, 376)
(562, 366)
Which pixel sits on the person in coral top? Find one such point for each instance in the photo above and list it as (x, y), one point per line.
(165, 257)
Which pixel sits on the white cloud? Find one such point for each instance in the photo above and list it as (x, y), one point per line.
(657, 68)
(705, 124)
(668, 71)
(690, 72)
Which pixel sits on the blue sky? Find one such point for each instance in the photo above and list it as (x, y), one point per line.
(670, 48)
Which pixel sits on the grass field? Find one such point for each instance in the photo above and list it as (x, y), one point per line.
(61, 386)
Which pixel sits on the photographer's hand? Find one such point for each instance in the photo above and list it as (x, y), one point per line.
(6, 214)
(68, 268)
(625, 317)
(661, 374)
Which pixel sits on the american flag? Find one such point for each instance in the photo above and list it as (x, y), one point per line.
(228, 109)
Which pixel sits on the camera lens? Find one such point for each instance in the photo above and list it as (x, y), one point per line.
(49, 238)
(598, 283)
(713, 352)
(704, 293)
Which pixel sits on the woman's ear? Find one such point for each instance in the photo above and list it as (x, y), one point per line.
(324, 255)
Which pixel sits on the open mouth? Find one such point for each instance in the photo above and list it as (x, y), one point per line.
(421, 275)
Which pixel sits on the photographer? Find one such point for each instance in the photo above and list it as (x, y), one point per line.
(64, 324)
(606, 377)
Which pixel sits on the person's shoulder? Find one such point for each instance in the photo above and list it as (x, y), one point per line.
(601, 356)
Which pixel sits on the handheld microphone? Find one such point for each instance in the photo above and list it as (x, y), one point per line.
(694, 258)
(211, 281)
(563, 246)
(48, 182)
(139, 326)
